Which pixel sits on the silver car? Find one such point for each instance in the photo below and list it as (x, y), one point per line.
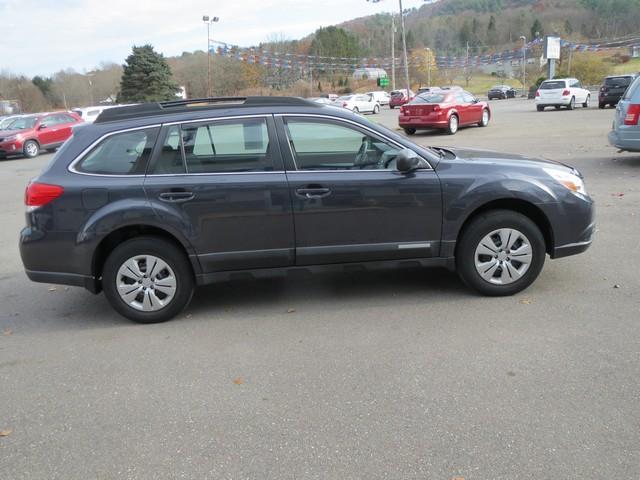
(625, 134)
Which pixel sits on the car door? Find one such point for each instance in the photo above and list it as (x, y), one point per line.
(578, 92)
(64, 127)
(48, 131)
(474, 108)
(222, 182)
(350, 203)
(463, 107)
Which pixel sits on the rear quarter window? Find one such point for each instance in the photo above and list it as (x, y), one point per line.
(125, 153)
(633, 90)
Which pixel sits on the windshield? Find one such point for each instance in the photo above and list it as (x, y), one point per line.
(552, 85)
(617, 81)
(344, 99)
(397, 94)
(429, 98)
(21, 123)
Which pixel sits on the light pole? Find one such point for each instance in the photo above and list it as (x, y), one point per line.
(428, 67)
(209, 20)
(393, 51)
(524, 64)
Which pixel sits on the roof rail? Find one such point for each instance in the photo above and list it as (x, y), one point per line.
(197, 104)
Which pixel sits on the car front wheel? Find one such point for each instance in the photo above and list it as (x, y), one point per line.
(586, 102)
(31, 149)
(147, 280)
(485, 118)
(500, 252)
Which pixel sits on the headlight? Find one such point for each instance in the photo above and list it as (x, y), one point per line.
(11, 138)
(568, 179)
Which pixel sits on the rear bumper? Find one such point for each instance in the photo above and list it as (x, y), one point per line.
(625, 140)
(609, 98)
(61, 278)
(552, 102)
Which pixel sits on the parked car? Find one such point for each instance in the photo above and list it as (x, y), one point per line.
(625, 134)
(501, 92)
(321, 100)
(613, 88)
(381, 97)
(154, 199)
(562, 92)
(400, 97)
(447, 110)
(358, 103)
(89, 114)
(31, 133)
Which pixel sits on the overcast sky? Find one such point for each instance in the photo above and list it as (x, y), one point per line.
(40, 37)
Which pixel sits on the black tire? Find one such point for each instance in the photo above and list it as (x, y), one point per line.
(586, 102)
(355, 110)
(572, 104)
(410, 131)
(481, 226)
(540, 108)
(601, 106)
(376, 109)
(453, 125)
(30, 149)
(391, 107)
(165, 251)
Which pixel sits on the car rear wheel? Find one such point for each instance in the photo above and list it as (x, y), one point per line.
(572, 103)
(355, 110)
(376, 109)
(31, 149)
(586, 102)
(501, 252)
(540, 108)
(601, 105)
(391, 107)
(485, 118)
(410, 131)
(452, 127)
(147, 280)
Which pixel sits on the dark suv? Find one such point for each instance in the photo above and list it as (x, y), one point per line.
(613, 88)
(153, 199)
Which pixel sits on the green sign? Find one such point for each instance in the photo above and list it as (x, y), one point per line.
(384, 82)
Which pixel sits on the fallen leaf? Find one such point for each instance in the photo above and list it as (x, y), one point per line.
(457, 478)
(7, 332)
(6, 432)
(52, 289)
(525, 301)
(238, 381)
(617, 194)
(291, 310)
(616, 286)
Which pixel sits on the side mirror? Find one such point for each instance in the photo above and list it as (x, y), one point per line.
(475, 100)
(408, 161)
(42, 126)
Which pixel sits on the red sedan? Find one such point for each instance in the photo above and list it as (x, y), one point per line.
(447, 110)
(29, 134)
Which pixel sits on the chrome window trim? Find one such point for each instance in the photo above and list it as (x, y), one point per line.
(71, 168)
(346, 120)
(214, 119)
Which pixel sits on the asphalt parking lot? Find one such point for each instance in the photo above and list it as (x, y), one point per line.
(398, 375)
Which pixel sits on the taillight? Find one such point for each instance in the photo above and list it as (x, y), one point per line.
(537, 93)
(39, 194)
(603, 88)
(565, 93)
(633, 115)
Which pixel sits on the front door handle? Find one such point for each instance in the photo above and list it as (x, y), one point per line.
(176, 197)
(313, 192)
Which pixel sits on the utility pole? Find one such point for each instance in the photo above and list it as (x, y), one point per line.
(524, 64)
(393, 52)
(404, 50)
(466, 67)
(428, 67)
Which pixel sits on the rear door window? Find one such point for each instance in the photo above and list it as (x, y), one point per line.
(237, 145)
(123, 153)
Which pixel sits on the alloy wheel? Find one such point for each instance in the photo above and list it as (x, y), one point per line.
(146, 283)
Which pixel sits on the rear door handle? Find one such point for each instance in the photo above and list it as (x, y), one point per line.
(176, 197)
(313, 192)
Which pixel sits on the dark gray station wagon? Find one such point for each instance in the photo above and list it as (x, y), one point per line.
(154, 199)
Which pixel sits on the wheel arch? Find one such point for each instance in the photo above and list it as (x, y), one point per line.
(122, 234)
(523, 207)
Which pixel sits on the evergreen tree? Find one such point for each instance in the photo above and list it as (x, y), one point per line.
(536, 29)
(146, 77)
(492, 34)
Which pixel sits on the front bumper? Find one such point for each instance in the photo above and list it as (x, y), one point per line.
(10, 148)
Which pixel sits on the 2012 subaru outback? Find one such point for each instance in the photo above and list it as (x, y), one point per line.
(154, 199)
